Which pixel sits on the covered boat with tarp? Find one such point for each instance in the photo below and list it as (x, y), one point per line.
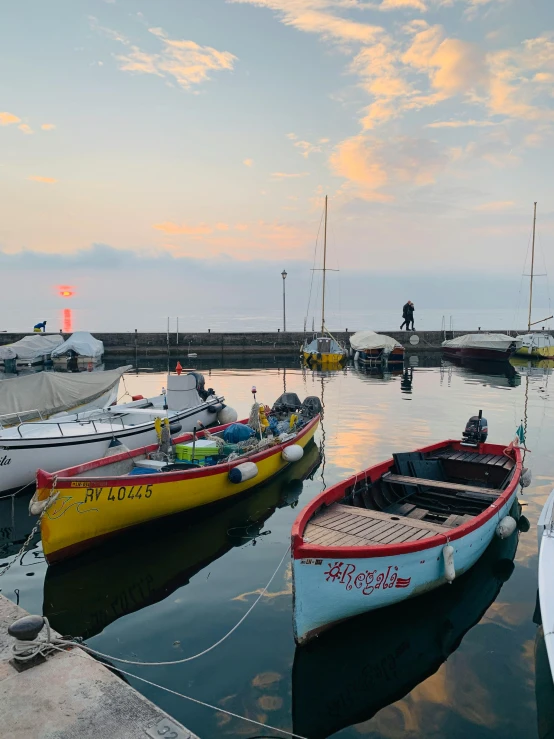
(491, 346)
(80, 350)
(33, 349)
(370, 347)
(45, 394)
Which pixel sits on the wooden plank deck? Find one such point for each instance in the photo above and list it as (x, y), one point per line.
(342, 525)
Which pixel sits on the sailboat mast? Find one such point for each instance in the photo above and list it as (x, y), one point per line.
(324, 266)
(532, 268)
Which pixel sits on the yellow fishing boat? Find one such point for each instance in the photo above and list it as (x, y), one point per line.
(323, 350)
(85, 504)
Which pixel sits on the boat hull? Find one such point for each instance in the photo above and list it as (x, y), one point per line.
(468, 352)
(20, 458)
(89, 510)
(323, 358)
(371, 356)
(334, 583)
(542, 352)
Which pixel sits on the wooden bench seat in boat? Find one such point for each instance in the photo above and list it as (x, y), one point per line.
(454, 486)
(344, 525)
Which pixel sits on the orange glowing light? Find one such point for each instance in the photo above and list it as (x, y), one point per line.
(66, 291)
(67, 321)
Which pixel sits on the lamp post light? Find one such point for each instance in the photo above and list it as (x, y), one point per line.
(284, 276)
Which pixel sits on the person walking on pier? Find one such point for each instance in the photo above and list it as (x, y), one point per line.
(408, 315)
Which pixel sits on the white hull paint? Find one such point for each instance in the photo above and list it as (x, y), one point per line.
(545, 531)
(21, 458)
(330, 590)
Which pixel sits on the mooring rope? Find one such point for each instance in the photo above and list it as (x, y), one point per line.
(30, 649)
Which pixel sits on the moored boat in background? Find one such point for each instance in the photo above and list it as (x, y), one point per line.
(371, 348)
(323, 349)
(400, 528)
(487, 346)
(30, 350)
(80, 351)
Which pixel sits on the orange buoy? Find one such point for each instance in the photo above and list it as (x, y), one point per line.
(178, 368)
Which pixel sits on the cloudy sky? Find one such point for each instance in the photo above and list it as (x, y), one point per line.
(198, 137)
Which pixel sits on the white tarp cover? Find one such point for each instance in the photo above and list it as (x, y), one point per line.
(82, 343)
(31, 347)
(536, 341)
(52, 392)
(363, 340)
(500, 342)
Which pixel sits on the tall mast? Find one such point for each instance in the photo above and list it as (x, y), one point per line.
(324, 265)
(532, 268)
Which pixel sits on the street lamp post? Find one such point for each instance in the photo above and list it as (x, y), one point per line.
(284, 276)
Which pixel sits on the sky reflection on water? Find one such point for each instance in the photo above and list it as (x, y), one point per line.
(172, 590)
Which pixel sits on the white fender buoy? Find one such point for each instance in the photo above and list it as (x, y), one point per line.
(227, 415)
(526, 477)
(243, 472)
(449, 569)
(37, 507)
(506, 527)
(292, 453)
(356, 356)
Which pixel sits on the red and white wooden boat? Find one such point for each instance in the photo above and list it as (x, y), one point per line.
(401, 528)
(487, 346)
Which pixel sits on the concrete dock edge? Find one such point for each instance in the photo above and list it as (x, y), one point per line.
(73, 696)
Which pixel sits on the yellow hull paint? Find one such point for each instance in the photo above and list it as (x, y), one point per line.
(312, 358)
(545, 352)
(87, 510)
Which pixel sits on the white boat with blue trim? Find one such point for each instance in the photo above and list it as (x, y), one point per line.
(401, 528)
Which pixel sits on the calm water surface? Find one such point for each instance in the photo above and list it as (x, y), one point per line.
(457, 663)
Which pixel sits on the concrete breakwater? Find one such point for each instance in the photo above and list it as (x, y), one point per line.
(269, 343)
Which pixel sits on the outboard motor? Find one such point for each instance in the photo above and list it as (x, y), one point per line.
(311, 406)
(287, 403)
(200, 384)
(476, 430)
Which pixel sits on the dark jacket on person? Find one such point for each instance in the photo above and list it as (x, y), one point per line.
(407, 311)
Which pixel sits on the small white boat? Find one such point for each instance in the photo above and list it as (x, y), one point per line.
(372, 348)
(401, 528)
(80, 351)
(34, 349)
(545, 534)
(69, 440)
(41, 395)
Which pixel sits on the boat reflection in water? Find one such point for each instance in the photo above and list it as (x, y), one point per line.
(83, 596)
(533, 367)
(15, 525)
(494, 374)
(357, 668)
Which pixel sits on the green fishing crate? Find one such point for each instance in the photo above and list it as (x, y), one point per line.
(202, 449)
